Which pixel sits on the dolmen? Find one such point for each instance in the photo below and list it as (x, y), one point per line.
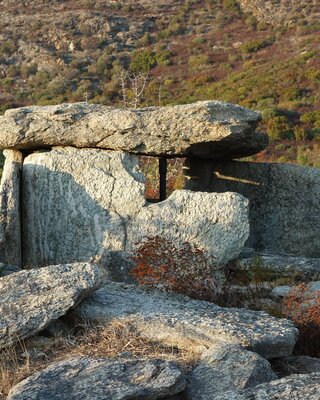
(73, 210)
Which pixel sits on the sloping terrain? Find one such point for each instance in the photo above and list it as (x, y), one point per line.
(260, 54)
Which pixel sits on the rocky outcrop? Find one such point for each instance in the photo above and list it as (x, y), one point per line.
(102, 379)
(284, 203)
(227, 367)
(10, 224)
(216, 223)
(297, 387)
(285, 266)
(185, 323)
(296, 365)
(30, 300)
(75, 204)
(210, 129)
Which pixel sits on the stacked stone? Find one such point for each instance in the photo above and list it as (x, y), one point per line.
(81, 194)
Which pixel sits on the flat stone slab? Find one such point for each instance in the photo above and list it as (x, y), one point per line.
(186, 323)
(102, 379)
(209, 129)
(296, 387)
(30, 300)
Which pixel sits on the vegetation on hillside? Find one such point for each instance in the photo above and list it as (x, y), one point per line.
(187, 50)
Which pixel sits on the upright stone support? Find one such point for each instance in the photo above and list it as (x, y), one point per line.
(10, 224)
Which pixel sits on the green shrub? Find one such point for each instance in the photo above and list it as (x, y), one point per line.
(278, 128)
(256, 45)
(142, 61)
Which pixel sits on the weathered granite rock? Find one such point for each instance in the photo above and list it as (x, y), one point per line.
(10, 225)
(210, 129)
(296, 365)
(217, 223)
(8, 269)
(296, 387)
(313, 291)
(30, 300)
(227, 367)
(102, 379)
(179, 321)
(76, 203)
(285, 266)
(284, 201)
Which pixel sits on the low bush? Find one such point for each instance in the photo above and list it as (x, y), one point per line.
(303, 308)
(185, 269)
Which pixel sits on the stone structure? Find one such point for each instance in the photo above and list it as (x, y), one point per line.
(284, 201)
(72, 192)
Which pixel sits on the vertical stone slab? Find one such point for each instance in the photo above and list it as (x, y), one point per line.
(284, 211)
(76, 204)
(10, 224)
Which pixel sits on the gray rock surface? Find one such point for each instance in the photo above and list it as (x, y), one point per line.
(284, 202)
(30, 300)
(296, 365)
(296, 387)
(76, 203)
(185, 323)
(210, 129)
(312, 292)
(8, 269)
(227, 367)
(10, 224)
(83, 203)
(286, 266)
(102, 379)
(216, 223)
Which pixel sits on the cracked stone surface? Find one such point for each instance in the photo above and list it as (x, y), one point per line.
(76, 203)
(209, 129)
(186, 323)
(102, 379)
(30, 300)
(227, 367)
(296, 387)
(10, 224)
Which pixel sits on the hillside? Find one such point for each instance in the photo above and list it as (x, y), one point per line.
(261, 54)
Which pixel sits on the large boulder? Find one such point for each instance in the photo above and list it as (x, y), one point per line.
(75, 204)
(10, 223)
(296, 387)
(185, 323)
(216, 223)
(227, 367)
(30, 300)
(102, 379)
(210, 129)
(284, 201)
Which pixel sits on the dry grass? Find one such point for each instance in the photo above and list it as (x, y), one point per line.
(115, 340)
